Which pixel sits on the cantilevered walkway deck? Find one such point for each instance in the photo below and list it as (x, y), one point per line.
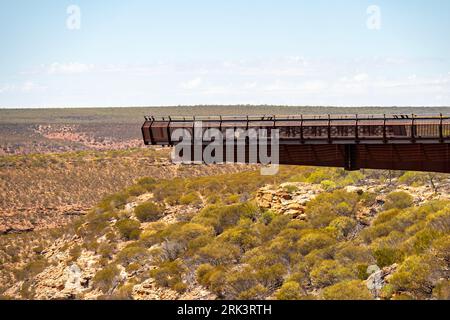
(397, 142)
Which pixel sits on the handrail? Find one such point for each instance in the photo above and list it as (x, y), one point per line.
(330, 117)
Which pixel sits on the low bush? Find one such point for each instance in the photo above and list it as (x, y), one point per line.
(169, 274)
(348, 290)
(218, 252)
(329, 272)
(387, 256)
(191, 198)
(132, 254)
(212, 277)
(398, 200)
(31, 269)
(343, 225)
(313, 241)
(290, 290)
(415, 276)
(148, 212)
(128, 228)
(106, 278)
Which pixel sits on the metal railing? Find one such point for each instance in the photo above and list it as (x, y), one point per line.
(305, 128)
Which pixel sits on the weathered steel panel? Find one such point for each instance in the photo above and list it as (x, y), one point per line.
(399, 142)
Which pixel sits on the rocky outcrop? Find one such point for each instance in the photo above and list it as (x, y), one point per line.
(20, 220)
(75, 134)
(16, 227)
(287, 198)
(62, 278)
(149, 290)
(378, 278)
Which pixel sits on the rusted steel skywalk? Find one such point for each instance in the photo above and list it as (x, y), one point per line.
(397, 142)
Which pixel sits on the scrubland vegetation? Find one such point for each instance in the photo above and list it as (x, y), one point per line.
(47, 190)
(238, 250)
(183, 227)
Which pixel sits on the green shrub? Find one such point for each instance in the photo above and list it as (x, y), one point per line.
(243, 235)
(240, 281)
(233, 198)
(439, 221)
(271, 276)
(290, 290)
(318, 175)
(354, 253)
(290, 188)
(222, 217)
(128, 228)
(124, 292)
(190, 198)
(328, 185)
(362, 271)
(190, 231)
(267, 216)
(212, 278)
(327, 206)
(387, 256)
(422, 240)
(147, 182)
(258, 292)
(75, 252)
(213, 199)
(414, 276)
(203, 271)
(136, 190)
(348, 290)
(106, 278)
(259, 258)
(132, 254)
(96, 225)
(329, 272)
(413, 178)
(352, 177)
(441, 290)
(179, 287)
(441, 248)
(386, 216)
(148, 211)
(133, 267)
(398, 200)
(113, 201)
(169, 274)
(343, 225)
(313, 241)
(219, 252)
(106, 250)
(31, 269)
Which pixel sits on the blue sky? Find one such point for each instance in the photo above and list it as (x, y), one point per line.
(137, 52)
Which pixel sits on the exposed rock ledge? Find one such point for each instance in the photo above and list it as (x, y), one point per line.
(288, 198)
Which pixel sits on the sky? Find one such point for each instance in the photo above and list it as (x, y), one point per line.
(101, 53)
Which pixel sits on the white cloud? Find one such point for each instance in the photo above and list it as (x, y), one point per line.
(6, 88)
(289, 80)
(314, 86)
(29, 86)
(192, 84)
(25, 87)
(69, 68)
(361, 77)
(250, 85)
